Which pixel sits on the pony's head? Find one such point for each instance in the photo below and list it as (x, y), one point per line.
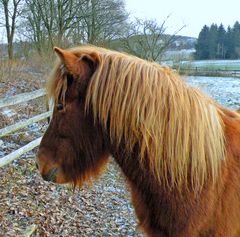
(73, 148)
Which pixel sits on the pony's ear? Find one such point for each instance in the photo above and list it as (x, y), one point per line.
(92, 59)
(69, 59)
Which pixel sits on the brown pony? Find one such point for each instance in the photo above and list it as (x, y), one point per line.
(178, 149)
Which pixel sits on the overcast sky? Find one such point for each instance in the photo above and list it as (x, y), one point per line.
(193, 14)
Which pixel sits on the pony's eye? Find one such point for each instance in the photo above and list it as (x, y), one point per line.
(59, 107)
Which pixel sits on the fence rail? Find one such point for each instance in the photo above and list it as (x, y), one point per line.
(13, 128)
(17, 154)
(13, 100)
(207, 71)
(20, 98)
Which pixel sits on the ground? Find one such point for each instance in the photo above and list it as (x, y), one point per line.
(103, 209)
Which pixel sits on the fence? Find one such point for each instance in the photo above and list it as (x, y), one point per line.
(224, 68)
(200, 71)
(12, 128)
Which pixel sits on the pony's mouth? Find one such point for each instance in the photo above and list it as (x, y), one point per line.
(51, 176)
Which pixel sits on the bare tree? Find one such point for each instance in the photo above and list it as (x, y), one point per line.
(11, 10)
(50, 22)
(103, 20)
(59, 17)
(62, 22)
(146, 39)
(32, 26)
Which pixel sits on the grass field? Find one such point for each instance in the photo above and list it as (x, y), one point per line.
(209, 67)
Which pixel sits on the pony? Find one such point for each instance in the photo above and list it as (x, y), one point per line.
(178, 149)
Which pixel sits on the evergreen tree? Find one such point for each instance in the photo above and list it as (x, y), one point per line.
(202, 47)
(221, 42)
(236, 40)
(216, 43)
(229, 44)
(212, 41)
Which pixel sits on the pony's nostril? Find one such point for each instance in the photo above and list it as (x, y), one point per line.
(37, 165)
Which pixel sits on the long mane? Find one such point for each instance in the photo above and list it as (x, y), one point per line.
(178, 129)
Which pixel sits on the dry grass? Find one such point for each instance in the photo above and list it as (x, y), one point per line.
(19, 76)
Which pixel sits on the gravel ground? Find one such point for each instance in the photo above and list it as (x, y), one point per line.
(102, 209)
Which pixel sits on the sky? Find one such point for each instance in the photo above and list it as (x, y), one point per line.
(191, 13)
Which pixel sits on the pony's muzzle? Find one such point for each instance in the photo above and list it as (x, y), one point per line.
(51, 176)
(49, 172)
(49, 168)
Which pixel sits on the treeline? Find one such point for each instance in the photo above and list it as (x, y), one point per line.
(65, 23)
(46, 23)
(215, 42)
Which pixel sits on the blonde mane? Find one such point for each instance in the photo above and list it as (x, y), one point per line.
(178, 130)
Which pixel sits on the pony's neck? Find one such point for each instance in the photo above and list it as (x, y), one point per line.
(156, 206)
(131, 167)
